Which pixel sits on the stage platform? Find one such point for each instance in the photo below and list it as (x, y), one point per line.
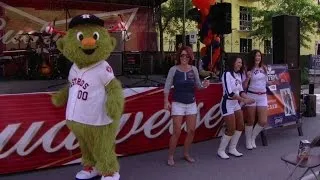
(31, 86)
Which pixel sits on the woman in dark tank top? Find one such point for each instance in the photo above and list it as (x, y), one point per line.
(185, 78)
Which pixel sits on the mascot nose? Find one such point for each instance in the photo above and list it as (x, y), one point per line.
(88, 42)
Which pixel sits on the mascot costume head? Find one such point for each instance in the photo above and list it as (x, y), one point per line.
(94, 97)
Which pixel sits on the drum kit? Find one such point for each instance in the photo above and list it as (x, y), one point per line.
(41, 62)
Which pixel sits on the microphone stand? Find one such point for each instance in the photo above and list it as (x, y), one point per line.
(125, 37)
(123, 29)
(146, 79)
(67, 14)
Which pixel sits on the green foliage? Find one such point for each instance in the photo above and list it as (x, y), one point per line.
(307, 10)
(172, 14)
(304, 76)
(304, 69)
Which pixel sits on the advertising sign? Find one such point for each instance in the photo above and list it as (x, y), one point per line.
(282, 107)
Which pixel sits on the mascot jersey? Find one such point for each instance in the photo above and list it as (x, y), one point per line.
(87, 91)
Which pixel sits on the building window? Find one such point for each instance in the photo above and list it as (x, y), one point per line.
(245, 45)
(245, 19)
(267, 46)
(318, 49)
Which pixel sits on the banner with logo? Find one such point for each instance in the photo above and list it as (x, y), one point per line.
(314, 62)
(313, 68)
(34, 135)
(282, 106)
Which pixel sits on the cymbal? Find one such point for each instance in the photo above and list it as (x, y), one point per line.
(40, 34)
(23, 34)
(35, 34)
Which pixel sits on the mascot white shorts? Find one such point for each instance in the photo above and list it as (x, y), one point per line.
(183, 109)
(260, 99)
(229, 106)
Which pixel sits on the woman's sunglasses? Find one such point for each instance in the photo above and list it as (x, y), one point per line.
(184, 55)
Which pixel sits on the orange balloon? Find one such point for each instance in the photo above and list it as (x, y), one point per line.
(201, 4)
(203, 51)
(211, 2)
(196, 3)
(207, 41)
(203, 18)
(217, 38)
(215, 58)
(210, 35)
(204, 12)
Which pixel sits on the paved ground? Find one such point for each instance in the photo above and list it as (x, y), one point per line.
(263, 163)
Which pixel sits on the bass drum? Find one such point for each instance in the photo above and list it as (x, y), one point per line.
(33, 65)
(64, 66)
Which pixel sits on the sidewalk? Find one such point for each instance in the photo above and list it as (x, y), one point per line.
(305, 89)
(262, 163)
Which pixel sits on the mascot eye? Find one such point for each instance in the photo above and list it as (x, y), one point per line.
(80, 36)
(96, 35)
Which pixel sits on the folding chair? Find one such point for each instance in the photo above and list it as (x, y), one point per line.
(309, 164)
(312, 162)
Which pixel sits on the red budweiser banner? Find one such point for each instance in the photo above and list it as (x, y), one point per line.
(33, 134)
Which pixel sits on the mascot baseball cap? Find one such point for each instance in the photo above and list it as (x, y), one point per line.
(86, 19)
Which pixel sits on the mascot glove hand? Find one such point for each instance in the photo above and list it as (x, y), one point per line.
(58, 100)
(112, 115)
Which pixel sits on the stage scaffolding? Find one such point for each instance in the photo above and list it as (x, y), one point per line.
(59, 12)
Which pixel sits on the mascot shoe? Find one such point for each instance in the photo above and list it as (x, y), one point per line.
(87, 174)
(116, 176)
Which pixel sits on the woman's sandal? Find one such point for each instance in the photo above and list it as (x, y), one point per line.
(189, 159)
(170, 162)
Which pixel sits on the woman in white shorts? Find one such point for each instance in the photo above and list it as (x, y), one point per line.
(185, 78)
(230, 108)
(255, 82)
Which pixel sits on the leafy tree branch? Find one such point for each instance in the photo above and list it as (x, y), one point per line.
(307, 10)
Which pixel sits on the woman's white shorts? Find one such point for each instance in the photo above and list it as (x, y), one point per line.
(182, 109)
(229, 106)
(260, 99)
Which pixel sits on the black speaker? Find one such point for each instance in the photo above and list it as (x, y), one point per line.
(310, 101)
(115, 61)
(286, 40)
(179, 41)
(147, 63)
(132, 62)
(220, 18)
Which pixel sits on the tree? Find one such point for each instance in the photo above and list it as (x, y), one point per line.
(307, 10)
(171, 13)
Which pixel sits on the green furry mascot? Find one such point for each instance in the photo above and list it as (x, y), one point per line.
(94, 97)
